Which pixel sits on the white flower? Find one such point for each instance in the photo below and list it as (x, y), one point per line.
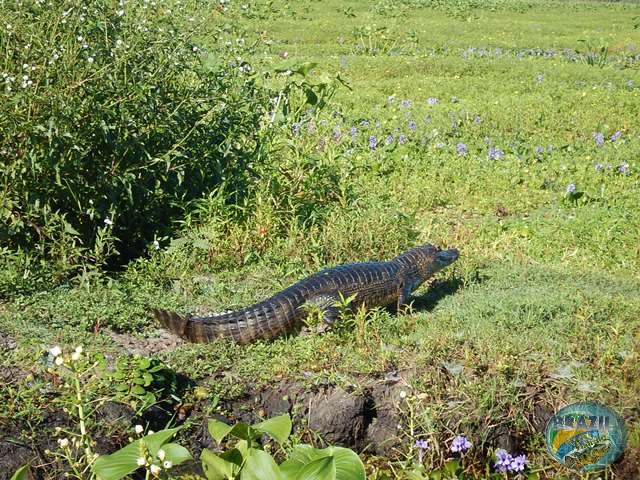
(55, 351)
(90, 59)
(154, 469)
(59, 361)
(108, 221)
(75, 356)
(138, 429)
(141, 461)
(161, 454)
(63, 442)
(167, 464)
(79, 349)
(25, 66)
(403, 394)
(156, 244)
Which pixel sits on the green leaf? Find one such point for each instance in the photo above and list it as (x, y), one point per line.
(217, 468)
(218, 430)
(176, 453)
(22, 473)
(119, 464)
(279, 428)
(260, 466)
(348, 465)
(158, 439)
(322, 468)
(68, 228)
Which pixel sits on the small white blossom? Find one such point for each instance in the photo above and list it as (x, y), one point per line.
(63, 442)
(154, 469)
(167, 464)
(59, 361)
(75, 356)
(90, 59)
(108, 221)
(161, 454)
(138, 429)
(403, 394)
(156, 244)
(79, 349)
(56, 351)
(141, 461)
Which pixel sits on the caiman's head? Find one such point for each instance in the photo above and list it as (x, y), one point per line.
(428, 259)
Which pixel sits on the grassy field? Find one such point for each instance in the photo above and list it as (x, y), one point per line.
(509, 132)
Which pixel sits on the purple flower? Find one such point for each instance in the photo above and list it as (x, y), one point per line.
(373, 142)
(503, 461)
(422, 444)
(539, 150)
(599, 167)
(432, 100)
(495, 153)
(412, 125)
(599, 138)
(391, 98)
(353, 132)
(540, 78)
(405, 103)
(336, 134)
(571, 188)
(295, 129)
(388, 140)
(402, 139)
(477, 120)
(616, 136)
(460, 444)
(623, 168)
(462, 148)
(519, 463)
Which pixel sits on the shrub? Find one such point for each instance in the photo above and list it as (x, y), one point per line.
(112, 120)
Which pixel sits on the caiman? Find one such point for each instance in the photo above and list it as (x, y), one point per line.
(371, 284)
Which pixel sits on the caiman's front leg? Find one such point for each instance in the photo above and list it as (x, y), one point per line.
(406, 288)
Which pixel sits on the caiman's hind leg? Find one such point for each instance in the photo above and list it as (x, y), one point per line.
(327, 306)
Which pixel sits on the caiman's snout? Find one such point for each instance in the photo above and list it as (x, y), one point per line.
(447, 257)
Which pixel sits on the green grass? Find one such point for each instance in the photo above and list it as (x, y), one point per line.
(543, 305)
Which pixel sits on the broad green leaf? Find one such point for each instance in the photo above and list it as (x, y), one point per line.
(279, 428)
(176, 453)
(118, 464)
(217, 468)
(323, 468)
(304, 68)
(156, 440)
(348, 465)
(289, 469)
(218, 430)
(22, 473)
(259, 466)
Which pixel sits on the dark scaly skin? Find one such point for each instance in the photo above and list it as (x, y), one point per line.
(373, 284)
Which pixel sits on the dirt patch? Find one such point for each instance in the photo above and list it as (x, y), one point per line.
(161, 341)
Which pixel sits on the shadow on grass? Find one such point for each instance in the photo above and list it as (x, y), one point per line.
(436, 292)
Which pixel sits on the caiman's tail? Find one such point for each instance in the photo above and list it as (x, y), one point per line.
(171, 321)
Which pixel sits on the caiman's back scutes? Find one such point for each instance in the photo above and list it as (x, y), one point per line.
(373, 284)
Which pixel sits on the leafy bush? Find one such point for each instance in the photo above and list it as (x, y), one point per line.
(111, 121)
